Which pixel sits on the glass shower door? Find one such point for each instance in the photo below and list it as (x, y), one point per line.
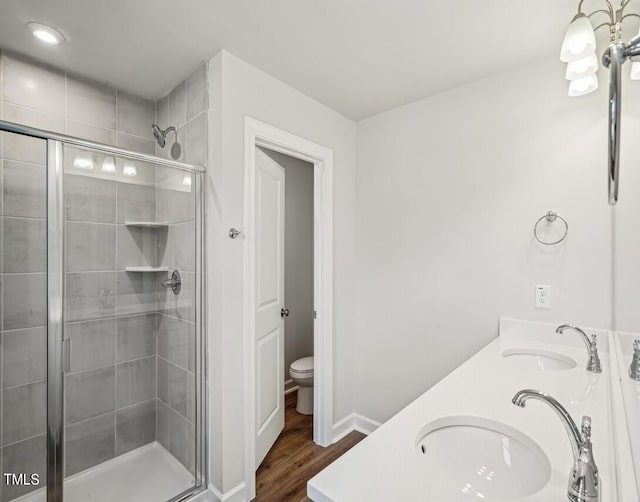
(23, 313)
(130, 329)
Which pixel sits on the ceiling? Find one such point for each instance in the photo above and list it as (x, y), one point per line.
(359, 57)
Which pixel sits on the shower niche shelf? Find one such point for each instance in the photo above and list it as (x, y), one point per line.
(147, 269)
(147, 224)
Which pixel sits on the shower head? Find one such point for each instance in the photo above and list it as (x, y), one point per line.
(161, 138)
(160, 135)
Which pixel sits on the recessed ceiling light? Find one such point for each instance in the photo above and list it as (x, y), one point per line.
(46, 34)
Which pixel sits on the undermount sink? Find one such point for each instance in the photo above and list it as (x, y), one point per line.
(540, 359)
(482, 459)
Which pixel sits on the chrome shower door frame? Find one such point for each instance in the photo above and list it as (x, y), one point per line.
(55, 321)
(55, 302)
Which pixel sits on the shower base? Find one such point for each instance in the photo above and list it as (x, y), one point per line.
(147, 474)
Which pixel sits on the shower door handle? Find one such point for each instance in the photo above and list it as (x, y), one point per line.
(66, 355)
(284, 312)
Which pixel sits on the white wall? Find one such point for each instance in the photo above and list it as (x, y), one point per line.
(448, 191)
(238, 90)
(298, 257)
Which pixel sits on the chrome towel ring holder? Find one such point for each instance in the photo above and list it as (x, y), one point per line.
(550, 217)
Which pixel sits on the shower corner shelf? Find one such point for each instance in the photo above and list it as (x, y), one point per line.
(146, 269)
(147, 224)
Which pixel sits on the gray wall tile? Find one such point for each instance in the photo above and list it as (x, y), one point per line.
(197, 92)
(135, 426)
(136, 247)
(25, 245)
(181, 442)
(178, 383)
(136, 381)
(32, 84)
(24, 354)
(175, 200)
(136, 202)
(24, 148)
(181, 246)
(89, 394)
(172, 340)
(162, 424)
(136, 337)
(26, 456)
(90, 102)
(90, 295)
(163, 379)
(162, 112)
(89, 443)
(91, 132)
(136, 143)
(24, 189)
(137, 293)
(90, 247)
(135, 115)
(92, 344)
(24, 412)
(24, 301)
(177, 105)
(196, 143)
(90, 199)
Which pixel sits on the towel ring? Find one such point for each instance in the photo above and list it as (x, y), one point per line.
(551, 216)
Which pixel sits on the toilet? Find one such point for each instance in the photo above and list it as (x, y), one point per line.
(301, 372)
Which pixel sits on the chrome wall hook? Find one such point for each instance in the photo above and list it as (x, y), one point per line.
(234, 232)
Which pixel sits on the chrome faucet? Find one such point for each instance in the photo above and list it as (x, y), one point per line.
(634, 369)
(593, 363)
(584, 482)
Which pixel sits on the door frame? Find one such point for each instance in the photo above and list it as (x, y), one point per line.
(259, 134)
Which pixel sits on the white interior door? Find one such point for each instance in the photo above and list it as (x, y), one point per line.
(269, 334)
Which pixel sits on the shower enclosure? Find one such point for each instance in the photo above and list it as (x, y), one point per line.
(102, 368)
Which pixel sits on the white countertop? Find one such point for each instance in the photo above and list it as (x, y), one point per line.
(387, 466)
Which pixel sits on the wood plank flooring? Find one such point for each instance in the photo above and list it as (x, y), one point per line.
(295, 458)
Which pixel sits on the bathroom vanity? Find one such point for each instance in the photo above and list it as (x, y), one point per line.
(465, 440)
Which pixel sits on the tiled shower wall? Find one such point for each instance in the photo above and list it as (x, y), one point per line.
(117, 321)
(185, 108)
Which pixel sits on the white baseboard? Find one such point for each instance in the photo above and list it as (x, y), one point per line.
(289, 386)
(236, 494)
(364, 424)
(354, 422)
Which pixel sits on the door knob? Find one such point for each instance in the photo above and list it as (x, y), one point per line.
(284, 312)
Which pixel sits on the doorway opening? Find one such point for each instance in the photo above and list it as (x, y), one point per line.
(269, 154)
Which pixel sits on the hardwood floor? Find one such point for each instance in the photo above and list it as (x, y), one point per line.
(295, 458)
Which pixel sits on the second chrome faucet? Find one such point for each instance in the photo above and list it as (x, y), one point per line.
(593, 361)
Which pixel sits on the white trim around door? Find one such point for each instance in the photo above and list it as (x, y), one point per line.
(261, 134)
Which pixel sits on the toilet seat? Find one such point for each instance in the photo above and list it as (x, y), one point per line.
(302, 368)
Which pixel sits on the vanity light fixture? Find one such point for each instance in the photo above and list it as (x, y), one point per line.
(129, 170)
(578, 51)
(108, 165)
(46, 34)
(83, 162)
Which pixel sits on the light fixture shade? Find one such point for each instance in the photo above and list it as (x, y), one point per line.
(582, 86)
(579, 41)
(46, 34)
(635, 71)
(582, 67)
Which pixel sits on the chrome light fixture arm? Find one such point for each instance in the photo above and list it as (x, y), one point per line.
(613, 58)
